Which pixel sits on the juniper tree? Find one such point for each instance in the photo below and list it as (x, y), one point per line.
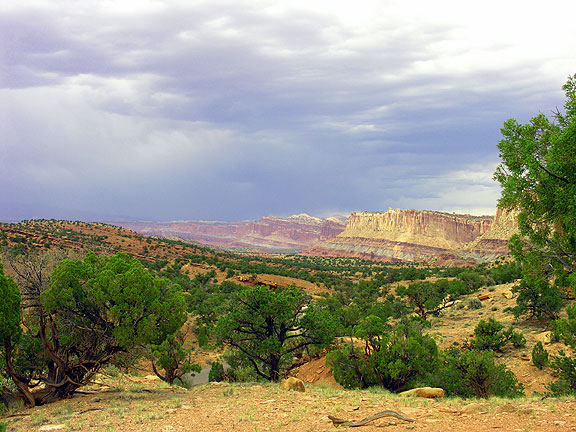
(95, 311)
(266, 328)
(538, 178)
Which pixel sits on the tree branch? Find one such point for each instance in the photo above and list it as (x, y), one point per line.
(551, 173)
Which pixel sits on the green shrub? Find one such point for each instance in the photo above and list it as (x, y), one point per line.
(216, 373)
(113, 371)
(539, 356)
(491, 335)
(396, 357)
(565, 368)
(471, 373)
(350, 368)
(565, 330)
(474, 303)
(97, 311)
(174, 356)
(266, 328)
(238, 368)
(430, 298)
(537, 296)
(518, 340)
(506, 273)
(404, 356)
(472, 279)
(202, 337)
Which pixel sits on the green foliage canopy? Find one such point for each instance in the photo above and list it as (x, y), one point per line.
(112, 300)
(429, 298)
(96, 311)
(492, 335)
(540, 356)
(538, 178)
(471, 373)
(565, 364)
(268, 327)
(9, 309)
(393, 357)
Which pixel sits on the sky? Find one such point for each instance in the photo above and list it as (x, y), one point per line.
(236, 109)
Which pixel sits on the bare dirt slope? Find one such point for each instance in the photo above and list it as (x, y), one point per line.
(145, 405)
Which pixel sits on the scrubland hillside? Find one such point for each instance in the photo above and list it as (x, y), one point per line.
(135, 399)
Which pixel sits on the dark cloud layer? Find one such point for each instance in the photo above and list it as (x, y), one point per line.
(233, 110)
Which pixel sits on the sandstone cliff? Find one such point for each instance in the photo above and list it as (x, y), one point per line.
(271, 234)
(396, 235)
(413, 235)
(494, 242)
(427, 228)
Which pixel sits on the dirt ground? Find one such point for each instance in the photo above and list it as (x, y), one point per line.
(192, 269)
(144, 404)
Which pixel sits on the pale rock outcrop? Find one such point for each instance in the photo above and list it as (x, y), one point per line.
(546, 338)
(422, 236)
(403, 235)
(475, 408)
(494, 242)
(292, 383)
(424, 392)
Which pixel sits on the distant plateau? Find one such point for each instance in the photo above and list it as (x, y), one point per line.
(395, 235)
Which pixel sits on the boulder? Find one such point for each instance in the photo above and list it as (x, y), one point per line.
(508, 294)
(424, 392)
(293, 383)
(474, 408)
(545, 338)
(506, 408)
(151, 378)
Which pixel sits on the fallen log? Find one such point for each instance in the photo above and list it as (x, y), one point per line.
(350, 423)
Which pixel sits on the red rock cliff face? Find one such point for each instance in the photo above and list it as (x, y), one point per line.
(403, 235)
(272, 234)
(494, 242)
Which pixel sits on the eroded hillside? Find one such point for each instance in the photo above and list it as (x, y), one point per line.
(270, 234)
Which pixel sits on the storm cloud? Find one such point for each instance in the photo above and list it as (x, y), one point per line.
(231, 110)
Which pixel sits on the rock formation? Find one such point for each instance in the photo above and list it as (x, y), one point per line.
(292, 383)
(422, 236)
(487, 247)
(494, 242)
(424, 392)
(270, 234)
(396, 235)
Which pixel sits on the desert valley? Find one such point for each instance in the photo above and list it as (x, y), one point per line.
(370, 260)
(295, 216)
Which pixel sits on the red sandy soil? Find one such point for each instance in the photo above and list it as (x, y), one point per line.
(142, 404)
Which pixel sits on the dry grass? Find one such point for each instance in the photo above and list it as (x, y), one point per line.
(121, 404)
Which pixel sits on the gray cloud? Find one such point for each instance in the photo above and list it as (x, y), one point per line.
(233, 110)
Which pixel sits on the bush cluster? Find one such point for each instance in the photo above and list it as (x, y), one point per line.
(491, 335)
(472, 373)
(540, 356)
(402, 356)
